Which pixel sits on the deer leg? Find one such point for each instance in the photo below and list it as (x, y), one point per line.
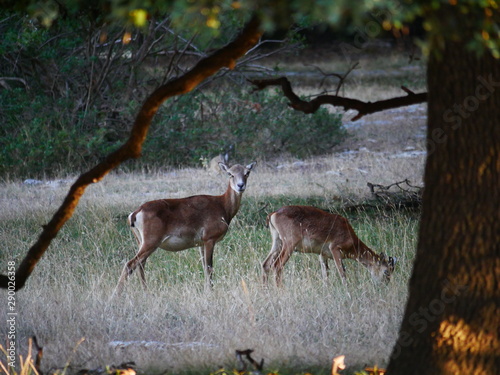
(267, 264)
(337, 257)
(280, 261)
(207, 258)
(139, 260)
(323, 261)
(271, 257)
(142, 266)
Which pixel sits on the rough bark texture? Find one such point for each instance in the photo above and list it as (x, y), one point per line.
(225, 57)
(452, 319)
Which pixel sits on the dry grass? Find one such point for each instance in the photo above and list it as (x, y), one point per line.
(300, 326)
(177, 327)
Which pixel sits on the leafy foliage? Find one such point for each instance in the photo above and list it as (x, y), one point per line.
(69, 94)
(37, 142)
(252, 126)
(482, 31)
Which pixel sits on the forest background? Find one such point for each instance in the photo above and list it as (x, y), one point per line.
(73, 102)
(443, 152)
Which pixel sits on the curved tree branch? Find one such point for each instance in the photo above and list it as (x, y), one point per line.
(225, 57)
(363, 108)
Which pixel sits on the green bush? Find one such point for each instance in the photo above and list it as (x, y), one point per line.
(68, 97)
(253, 126)
(43, 137)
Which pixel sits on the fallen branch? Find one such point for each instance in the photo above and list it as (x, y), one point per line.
(225, 57)
(5, 85)
(407, 195)
(363, 108)
(242, 364)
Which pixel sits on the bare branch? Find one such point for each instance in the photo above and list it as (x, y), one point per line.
(363, 108)
(5, 85)
(242, 364)
(344, 76)
(225, 57)
(244, 65)
(341, 77)
(407, 195)
(407, 90)
(177, 56)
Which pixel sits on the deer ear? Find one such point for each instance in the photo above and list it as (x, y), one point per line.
(250, 166)
(223, 167)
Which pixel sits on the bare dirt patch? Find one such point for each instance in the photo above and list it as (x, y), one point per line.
(383, 146)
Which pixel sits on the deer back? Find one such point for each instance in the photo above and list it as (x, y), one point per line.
(311, 226)
(187, 217)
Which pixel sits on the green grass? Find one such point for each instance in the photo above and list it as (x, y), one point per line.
(298, 328)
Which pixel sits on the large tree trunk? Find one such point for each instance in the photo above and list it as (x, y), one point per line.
(452, 319)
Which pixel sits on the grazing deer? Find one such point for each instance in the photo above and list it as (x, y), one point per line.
(180, 224)
(311, 230)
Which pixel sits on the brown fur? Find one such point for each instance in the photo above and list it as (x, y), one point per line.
(179, 224)
(311, 230)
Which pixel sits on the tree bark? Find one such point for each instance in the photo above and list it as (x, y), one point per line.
(452, 320)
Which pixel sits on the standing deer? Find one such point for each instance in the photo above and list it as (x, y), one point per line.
(180, 224)
(311, 230)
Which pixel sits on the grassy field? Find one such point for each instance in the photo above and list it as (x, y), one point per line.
(177, 327)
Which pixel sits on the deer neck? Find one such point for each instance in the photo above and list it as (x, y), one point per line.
(231, 201)
(366, 256)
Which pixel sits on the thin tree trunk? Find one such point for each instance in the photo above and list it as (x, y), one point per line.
(452, 319)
